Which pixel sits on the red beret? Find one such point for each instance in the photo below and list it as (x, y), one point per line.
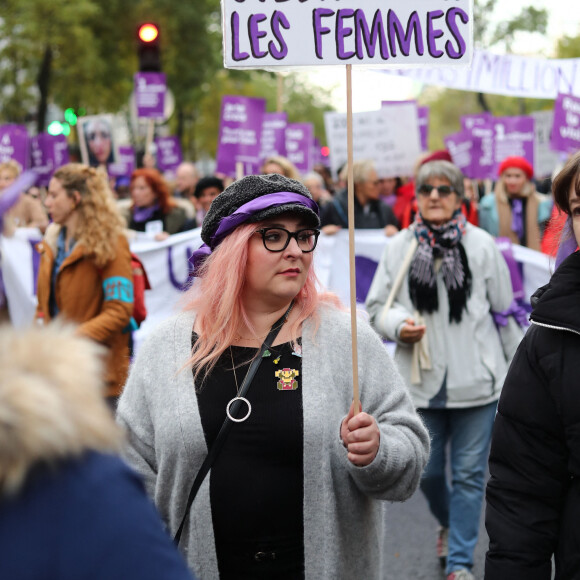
(441, 155)
(516, 163)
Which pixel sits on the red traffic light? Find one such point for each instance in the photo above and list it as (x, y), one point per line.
(148, 32)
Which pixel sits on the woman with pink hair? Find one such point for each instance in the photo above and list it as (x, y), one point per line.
(257, 370)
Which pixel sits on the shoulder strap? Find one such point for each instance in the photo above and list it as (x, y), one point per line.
(227, 424)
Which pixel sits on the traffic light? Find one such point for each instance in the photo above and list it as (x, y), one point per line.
(148, 49)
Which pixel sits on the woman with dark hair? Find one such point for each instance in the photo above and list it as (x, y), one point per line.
(442, 277)
(153, 209)
(293, 492)
(533, 495)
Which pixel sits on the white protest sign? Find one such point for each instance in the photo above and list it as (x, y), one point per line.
(505, 74)
(545, 160)
(317, 32)
(389, 136)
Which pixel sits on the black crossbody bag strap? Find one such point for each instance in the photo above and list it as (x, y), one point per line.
(227, 424)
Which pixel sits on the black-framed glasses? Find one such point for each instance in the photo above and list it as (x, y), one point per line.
(442, 190)
(277, 239)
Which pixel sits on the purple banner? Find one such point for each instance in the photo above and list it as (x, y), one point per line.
(150, 90)
(422, 121)
(565, 135)
(513, 136)
(125, 165)
(239, 135)
(468, 122)
(273, 140)
(169, 154)
(460, 146)
(14, 144)
(299, 143)
(47, 154)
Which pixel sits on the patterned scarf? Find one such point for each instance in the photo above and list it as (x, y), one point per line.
(440, 242)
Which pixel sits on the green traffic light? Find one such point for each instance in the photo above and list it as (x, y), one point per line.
(66, 129)
(70, 116)
(55, 128)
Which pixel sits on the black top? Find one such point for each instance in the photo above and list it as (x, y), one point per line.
(256, 483)
(533, 495)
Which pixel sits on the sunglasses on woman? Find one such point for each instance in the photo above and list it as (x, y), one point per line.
(277, 239)
(442, 190)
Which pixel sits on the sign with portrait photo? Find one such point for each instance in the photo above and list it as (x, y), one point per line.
(97, 140)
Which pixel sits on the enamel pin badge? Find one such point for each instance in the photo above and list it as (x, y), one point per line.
(287, 380)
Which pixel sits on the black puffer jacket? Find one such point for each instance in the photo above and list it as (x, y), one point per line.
(533, 496)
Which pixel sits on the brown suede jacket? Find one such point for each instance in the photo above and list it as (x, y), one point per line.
(99, 300)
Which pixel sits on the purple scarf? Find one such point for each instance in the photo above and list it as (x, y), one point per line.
(518, 217)
(144, 214)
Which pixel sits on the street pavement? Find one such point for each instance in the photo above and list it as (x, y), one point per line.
(411, 539)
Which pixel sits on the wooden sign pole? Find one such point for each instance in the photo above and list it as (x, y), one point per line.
(350, 182)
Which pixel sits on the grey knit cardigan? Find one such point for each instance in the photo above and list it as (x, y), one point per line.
(344, 521)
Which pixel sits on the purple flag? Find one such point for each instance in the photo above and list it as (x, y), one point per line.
(299, 142)
(460, 146)
(14, 144)
(565, 135)
(513, 136)
(273, 140)
(47, 154)
(239, 135)
(125, 165)
(169, 154)
(150, 91)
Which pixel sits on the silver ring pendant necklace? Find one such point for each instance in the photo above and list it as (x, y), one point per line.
(237, 397)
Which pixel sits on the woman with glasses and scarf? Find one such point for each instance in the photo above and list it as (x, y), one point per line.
(294, 490)
(448, 348)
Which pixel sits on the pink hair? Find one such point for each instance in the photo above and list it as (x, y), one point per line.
(216, 297)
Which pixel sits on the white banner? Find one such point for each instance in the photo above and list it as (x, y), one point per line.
(505, 74)
(389, 136)
(167, 267)
(274, 33)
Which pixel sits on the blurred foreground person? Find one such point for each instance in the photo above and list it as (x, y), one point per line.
(533, 495)
(69, 508)
(85, 273)
(294, 490)
(448, 349)
(515, 210)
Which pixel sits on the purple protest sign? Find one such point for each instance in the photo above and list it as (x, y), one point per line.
(150, 91)
(316, 153)
(169, 154)
(299, 141)
(565, 135)
(14, 144)
(422, 120)
(460, 147)
(273, 138)
(125, 165)
(482, 152)
(239, 135)
(513, 136)
(475, 120)
(47, 153)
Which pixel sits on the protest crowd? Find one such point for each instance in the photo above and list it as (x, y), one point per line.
(225, 442)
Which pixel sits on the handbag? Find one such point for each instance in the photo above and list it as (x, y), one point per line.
(227, 424)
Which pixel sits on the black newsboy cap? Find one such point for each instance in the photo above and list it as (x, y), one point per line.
(251, 187)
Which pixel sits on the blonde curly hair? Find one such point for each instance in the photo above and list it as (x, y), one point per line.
(100, 223)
